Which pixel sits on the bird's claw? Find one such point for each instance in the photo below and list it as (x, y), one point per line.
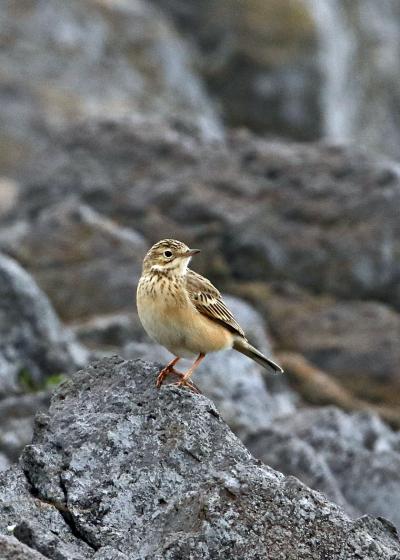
(164, 373)
(182, 383)
(185, 383)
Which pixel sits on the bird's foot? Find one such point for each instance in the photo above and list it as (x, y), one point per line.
(164, 373)
(186, 383)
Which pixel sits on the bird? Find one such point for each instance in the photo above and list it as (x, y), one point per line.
(185, 313)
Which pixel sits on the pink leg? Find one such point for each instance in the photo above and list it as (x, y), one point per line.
(169, 368)
(185, 381)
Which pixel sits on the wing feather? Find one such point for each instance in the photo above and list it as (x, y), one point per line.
(208, 301)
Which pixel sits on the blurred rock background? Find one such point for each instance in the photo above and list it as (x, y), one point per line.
(265, 132)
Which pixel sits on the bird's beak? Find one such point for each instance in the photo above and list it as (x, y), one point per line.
(192, 252)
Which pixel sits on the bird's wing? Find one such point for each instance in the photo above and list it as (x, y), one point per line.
(208, 301)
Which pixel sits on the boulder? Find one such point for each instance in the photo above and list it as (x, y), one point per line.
(16, 423)
(322, 216)
(118, 469)
(357, 341)
(353, 458)
(260, 60)
(12, 549)
(33, 343)
(62, 61)
(85, 263)
(359, 50)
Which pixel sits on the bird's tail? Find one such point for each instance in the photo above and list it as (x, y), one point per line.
(241, 345)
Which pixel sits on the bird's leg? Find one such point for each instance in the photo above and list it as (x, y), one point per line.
(185, 379)
(169, 368)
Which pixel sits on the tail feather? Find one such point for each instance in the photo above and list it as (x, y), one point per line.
(244, 347)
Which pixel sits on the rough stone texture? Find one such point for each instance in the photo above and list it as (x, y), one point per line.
(353, 458)
(33, 343)
(12, 549)
(62, 61)
(8, 195)
(37, 524)
(360, 49)
(112, 331)
(322, 216)
(348, 339)
(84, 262)
(121, 470)
(16, 422)
(259, 58)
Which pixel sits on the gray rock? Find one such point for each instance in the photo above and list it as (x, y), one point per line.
(16, 423)
(12, 549)
(251, 322)
(4, 462)
(147, 351)
(33, 343)
(36, 524)
(360, 47)
(351, 457)
(352, 339)
(260, 210)
(259, 59)
(119, 469)
(62, 61)
(90, 267)
(111, 331)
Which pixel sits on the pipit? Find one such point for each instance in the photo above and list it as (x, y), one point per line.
(184, 312)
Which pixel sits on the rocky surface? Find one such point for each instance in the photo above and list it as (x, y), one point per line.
(12, 549)
(360, 47)
(342, 455)
(16, 422)
(33, 344)
(349, 339)
(62, 61)
(91, 487)
(260, 60)
(322, 216)
(82, 248)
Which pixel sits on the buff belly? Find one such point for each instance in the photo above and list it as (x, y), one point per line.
(182, 330)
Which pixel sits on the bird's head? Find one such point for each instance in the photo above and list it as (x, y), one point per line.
(170, 256)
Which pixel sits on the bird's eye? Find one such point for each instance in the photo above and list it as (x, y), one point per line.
(167, 254)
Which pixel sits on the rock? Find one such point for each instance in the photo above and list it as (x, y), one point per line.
(122, 470)
(16, 421)
(112, 331)
(251, 322)
(33, 344)
(147, 351)
(4, 462)
(351, 340)
(360, 48)
(64, 61)
(90, 267)
(9, 190)
(260, 210)
(259, 58)
(38, 525)
(331, 450)
(293, 456)
(318, 387)
(12, 549)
